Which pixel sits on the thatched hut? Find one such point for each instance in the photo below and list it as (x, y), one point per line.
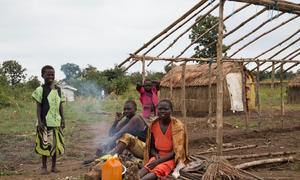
(197, 87)
(293, 90)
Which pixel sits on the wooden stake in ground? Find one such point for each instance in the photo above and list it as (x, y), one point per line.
(272, 88)
(209, 94)
(244, 98)
(183, 91)
(219, 111)
(281, 94)
(257, 94)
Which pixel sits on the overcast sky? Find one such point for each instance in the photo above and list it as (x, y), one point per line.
(97, 32)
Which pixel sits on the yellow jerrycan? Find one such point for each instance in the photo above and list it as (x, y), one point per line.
(112, 169)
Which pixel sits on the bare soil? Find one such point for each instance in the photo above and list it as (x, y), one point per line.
(271, 137)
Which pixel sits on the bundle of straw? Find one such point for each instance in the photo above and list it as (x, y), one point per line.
(219, 168)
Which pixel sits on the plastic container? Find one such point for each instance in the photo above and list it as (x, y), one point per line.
(112, 169)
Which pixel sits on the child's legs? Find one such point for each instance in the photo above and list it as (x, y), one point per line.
(54, 161)
(44, 162)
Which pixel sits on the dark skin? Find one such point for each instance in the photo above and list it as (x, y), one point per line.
(164, 116)
(148, 85)
(48, 77)
(121, 127)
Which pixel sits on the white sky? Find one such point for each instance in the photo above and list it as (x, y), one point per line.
(97, 32)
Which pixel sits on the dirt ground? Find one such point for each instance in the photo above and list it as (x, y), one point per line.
(271, 137)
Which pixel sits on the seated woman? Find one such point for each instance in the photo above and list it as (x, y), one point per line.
(166, 144)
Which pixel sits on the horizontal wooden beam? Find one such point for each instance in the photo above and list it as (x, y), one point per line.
(279, 5)
(183, 59)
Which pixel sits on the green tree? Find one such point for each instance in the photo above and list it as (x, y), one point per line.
(71, 71)
(13, 71)
(33, 82)
(201, 27)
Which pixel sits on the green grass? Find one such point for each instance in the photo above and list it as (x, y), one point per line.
(115, 103)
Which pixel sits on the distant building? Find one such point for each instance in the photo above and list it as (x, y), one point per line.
(69, 92)
(197, 88)
(293, 90)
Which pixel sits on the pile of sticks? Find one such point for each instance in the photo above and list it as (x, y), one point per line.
(202, 167)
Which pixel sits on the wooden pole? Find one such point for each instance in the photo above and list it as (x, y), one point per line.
(207, 31)
(283, 59)
(282, 50)
(254, 30)
(188, 29)
(183, 91)
(186, 59)
(289, 59)
(258, 95)
(281, 5)
(167, 35)
(143, 71)
(171, 87)
(281, 92)
(277, 45)
(209, 93)
(272, 88)
(263, 34)
(296, 64)
(166, 30)
(244, 96)
(219, 111)
(241, 25)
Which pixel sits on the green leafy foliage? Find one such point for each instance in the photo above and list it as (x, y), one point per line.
(201, 27)
(13, 71)
(33, 82)
(71, 71)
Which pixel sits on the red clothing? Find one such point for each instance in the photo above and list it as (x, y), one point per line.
(148, 101)
(164, 145)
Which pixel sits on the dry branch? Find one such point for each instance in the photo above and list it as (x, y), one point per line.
(264, 161)
(246, 156)
(229, 149)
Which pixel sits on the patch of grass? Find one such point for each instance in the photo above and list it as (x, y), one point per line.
(115, 103)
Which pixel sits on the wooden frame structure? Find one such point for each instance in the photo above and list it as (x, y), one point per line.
(206, 7)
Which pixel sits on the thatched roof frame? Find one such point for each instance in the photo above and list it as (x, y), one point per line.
(295, 82)
(196, 74)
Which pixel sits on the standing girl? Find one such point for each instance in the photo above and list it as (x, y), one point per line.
(49, 137)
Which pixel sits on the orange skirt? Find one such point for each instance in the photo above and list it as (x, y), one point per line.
(163, 169)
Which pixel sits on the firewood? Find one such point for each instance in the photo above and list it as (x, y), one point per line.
(230, 149)
(245, 156)
(264, 161)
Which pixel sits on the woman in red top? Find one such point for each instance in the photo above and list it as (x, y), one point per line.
(161, 151)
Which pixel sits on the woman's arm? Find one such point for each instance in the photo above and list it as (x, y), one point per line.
(158, 161)
(39, 117)
(153, 150)
(117, 125)
(62, 115)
